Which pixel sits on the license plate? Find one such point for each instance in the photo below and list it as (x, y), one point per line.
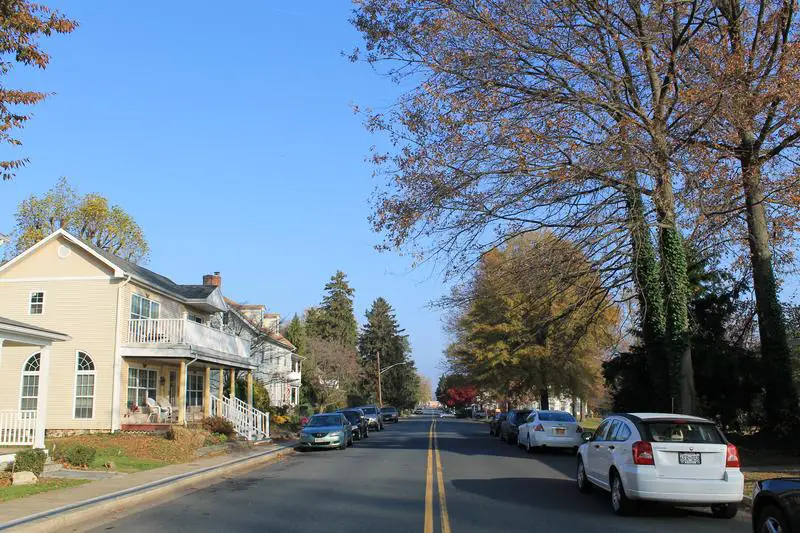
(686, 458)
(559, 431)
(320, 440)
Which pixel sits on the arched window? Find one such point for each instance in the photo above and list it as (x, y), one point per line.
(84, 386)
(29, 397)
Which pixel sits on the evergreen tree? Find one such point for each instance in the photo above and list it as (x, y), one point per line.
(296, 334)
(382, 333)
(334, 320)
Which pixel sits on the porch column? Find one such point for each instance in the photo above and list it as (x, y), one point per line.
(207, 393)
(233, 383)
(250, 388)
(182, 392)
(41, 404)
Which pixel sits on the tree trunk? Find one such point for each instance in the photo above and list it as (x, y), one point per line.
(781, 402)
(544, 399)
(574, 408)
(583, 409)
(646, 276)
(675, 284)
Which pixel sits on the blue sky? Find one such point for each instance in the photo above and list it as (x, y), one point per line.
(229, 135)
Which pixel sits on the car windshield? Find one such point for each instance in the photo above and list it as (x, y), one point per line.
(682, 431)
(555, 416)
(325, 420)
(521, 416)
(351, 416)
(370, 410)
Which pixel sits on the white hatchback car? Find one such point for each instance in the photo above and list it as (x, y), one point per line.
(684, 460)
(550, 429)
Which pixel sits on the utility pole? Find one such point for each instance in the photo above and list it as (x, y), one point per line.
(380, 394)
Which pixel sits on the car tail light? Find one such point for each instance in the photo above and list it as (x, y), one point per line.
(578, 429)
(732, 457)
(539, 427)
(643, 453)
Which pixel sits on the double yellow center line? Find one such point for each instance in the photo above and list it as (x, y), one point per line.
(433, 452)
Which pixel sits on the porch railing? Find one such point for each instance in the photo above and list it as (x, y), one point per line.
(181, 331)
(17, 428)
(247, 421)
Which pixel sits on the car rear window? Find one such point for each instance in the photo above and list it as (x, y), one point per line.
(370, 410)
(555, 416)
(683, 431)
(388, 410)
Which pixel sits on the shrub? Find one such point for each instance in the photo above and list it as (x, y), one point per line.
(217, 424)
(216, 438)
(30, 461)
(280, 420)
(75, 454)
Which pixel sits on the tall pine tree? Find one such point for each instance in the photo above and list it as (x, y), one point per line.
(382, 334)
(334, 320)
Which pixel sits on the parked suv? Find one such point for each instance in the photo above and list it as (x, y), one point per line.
(679, 459)
(390, 414)
(509, 428)
(373, 415)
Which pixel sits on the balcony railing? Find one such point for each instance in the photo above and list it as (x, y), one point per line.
(180, 331)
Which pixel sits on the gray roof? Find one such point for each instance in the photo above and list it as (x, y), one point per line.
(190, 292)
(8, 322)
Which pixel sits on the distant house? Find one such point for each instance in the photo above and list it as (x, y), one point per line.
(134, 348)
(278, 365)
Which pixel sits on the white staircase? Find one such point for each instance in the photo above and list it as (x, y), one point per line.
(248, 422)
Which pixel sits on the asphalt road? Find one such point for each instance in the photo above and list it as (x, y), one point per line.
(389, 483)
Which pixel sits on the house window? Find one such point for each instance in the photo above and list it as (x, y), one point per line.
(141, 385)
(29, 397)
(84, 386)
(194, 389)
(293, 400)
(143, 308)
(37, 303)
(194, 318)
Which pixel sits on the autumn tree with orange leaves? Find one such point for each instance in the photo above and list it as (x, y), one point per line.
(625, 127)
(22, 25)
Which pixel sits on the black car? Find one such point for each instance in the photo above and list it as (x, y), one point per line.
(390, 414)
(776, 506)
(509, 428)
(494, 424)
(359, 422)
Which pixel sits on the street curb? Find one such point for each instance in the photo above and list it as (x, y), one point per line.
(70, 515)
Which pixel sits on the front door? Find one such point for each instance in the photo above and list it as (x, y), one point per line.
(595, 452)
(173, 387)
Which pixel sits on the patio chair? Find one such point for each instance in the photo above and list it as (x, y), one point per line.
(166, 408)
(155, 409)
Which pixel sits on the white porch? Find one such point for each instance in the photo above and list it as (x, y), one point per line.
(24, 425)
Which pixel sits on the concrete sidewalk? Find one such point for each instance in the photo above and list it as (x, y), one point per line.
(54, 510)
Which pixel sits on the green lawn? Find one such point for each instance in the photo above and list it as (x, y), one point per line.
(590, 424)
(44, 485)
(122, 463)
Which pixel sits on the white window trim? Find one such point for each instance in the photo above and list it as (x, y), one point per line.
(75, 385)
(139, 366)
(196, 373)
(22, 375)
(137, 295)
(44, 301)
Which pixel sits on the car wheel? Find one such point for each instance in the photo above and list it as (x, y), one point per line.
(343, 446)
(584, 485)
(771, 520)
(510, 439)
(727, 510)
(619, 501)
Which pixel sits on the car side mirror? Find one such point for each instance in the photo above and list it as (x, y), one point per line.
(587, 436)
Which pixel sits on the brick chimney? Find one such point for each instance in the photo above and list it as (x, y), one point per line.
(212, 279)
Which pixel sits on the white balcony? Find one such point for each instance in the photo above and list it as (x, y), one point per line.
(293, 376)
(178, 331)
